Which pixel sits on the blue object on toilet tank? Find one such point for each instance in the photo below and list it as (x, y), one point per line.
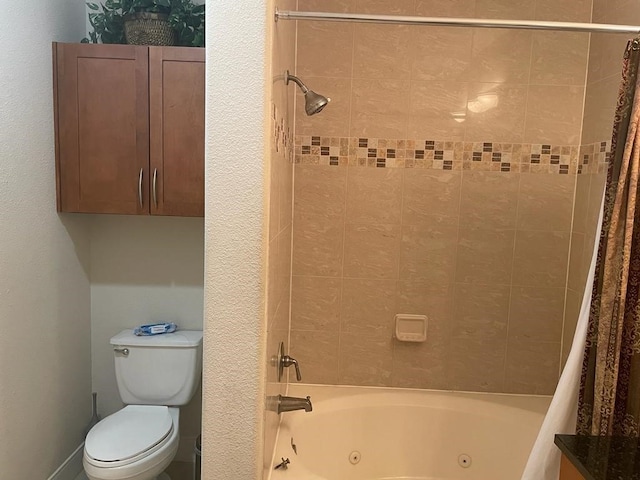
(155, 329)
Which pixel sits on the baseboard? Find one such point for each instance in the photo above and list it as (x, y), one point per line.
(71, 467)
(186, 450)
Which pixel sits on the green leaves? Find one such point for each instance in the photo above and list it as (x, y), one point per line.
(188, 20)
(107, 19)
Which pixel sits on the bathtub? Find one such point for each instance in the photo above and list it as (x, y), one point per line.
(362, 433)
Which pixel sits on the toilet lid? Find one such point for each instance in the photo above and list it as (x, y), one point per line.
(128, 432)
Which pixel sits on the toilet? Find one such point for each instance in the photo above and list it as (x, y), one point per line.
(155, 375)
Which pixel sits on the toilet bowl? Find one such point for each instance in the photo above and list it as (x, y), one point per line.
(135, 443)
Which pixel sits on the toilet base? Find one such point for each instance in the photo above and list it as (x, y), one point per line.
(163, 476)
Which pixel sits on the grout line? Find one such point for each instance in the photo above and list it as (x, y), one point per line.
(573, 209)
(511, 285)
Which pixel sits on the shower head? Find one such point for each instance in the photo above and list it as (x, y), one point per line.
(313, 102)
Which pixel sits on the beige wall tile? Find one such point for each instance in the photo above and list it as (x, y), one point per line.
(283, 278)
(623, 11)
(540, 258)
(536, 314)
(316, 368)
(501, 56)
(430, 298)
(315, 303)
(281, 317)
(431, 110)
(599, 110)
(600, 11)
(532, 367)
(590, 243)
(380, 51)
(374, 195)
(334, 119)
(563, 10)
(274, 199)
(578, 267)
(446, 8)
(554, 114)
(502, 123)
(431, 197)
(368, 307)
(428, 252)
(421, 365)
(485, 256)
(440, 53)
(581, 204)
(559, 58)
(285, 204)
(480, 311)
(596, 191)
(318, 247)
(325, 49)
(343, 6)
(477, 364)
(545, 202)
(272, 280)
(507, 9)
(320, 191)
(371, 251)
(365, 360)
(614, 52)
(489, 199)
(385, 7)
(572, 313)
(597, 50)
(379, 107)
(424, 365)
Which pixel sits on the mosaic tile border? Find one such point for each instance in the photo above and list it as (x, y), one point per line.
(282, 136)
(435, 154)
(594, 158)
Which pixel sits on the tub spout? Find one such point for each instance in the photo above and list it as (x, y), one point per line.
(288, 404)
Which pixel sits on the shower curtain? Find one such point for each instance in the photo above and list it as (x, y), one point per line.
(605, 354)
(610, 383)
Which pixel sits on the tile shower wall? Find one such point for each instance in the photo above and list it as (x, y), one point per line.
(280, 215)
(439, 181)
(605, 64)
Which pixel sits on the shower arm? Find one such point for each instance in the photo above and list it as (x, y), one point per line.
(296, 80)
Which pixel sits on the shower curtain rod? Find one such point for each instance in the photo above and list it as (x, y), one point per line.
(456, 22)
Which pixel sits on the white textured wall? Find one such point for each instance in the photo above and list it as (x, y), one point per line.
(45, 379)
(144, 270)
(233, 391)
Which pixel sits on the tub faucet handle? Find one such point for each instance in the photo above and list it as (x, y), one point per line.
(287, 361)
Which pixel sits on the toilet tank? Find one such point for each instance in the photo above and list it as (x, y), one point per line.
(158, 369)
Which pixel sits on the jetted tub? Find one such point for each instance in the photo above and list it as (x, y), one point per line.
(362, 433)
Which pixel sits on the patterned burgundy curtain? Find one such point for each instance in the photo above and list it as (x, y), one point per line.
(609, 402)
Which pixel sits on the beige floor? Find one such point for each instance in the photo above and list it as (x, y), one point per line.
(181, 471)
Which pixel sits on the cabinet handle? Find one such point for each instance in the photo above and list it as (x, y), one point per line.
(140, 187)
(155, 182)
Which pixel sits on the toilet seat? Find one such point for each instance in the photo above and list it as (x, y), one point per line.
(128, 435)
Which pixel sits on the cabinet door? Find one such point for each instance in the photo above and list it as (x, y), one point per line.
(101, 96)
(568, 471)
(176, 99)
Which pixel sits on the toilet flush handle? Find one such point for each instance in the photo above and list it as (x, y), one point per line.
(123, 351)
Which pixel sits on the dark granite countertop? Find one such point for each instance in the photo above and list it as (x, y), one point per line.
(602, 458)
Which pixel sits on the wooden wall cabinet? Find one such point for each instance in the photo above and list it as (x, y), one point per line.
(129, 129)
(568, 471)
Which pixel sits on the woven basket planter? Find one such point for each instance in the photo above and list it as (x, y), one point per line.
(144, 28)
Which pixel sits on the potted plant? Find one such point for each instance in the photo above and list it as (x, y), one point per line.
(147, 22)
